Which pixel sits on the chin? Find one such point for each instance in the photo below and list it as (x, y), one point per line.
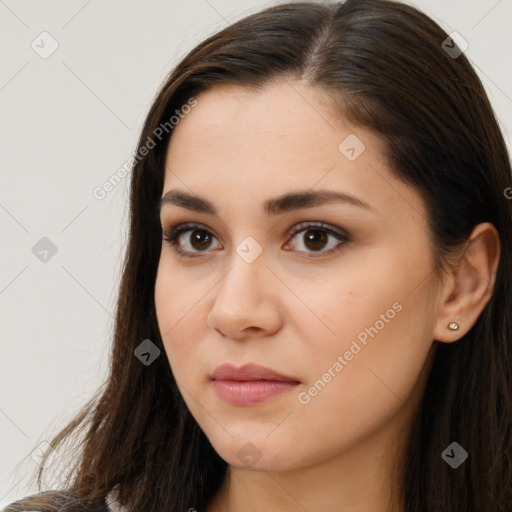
(260, 454)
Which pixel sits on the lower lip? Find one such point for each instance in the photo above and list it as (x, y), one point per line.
(254, 392)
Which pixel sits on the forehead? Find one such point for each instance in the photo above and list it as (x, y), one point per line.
(283, 127)
(242, 142)
(289, 111)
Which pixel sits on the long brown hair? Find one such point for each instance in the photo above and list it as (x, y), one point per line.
(385, 65)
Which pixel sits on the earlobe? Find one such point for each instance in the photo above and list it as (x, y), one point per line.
(470, 285)
(453, 326)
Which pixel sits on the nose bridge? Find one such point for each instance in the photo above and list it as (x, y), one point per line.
(242, 298)
(247, 266)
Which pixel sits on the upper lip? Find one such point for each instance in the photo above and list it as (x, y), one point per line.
(248, 372)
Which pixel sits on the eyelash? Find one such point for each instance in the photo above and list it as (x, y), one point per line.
(172, 235)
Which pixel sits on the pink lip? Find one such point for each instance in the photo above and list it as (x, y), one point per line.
(248, 372)
(250, 384)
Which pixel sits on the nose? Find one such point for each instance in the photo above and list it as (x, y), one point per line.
(246, 302)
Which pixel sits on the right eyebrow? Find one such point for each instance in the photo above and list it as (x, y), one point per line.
(275, 206)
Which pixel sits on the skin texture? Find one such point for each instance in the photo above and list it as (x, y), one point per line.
(296, 314)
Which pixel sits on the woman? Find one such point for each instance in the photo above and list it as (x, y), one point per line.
(344, 180)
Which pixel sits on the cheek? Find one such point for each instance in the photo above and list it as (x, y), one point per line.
(165, 303)
(175, 296)
(379, 327)
(179, 305)
(342, 309)
(171, 310)
(353, 388)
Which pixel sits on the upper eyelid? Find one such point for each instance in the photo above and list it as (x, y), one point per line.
(172, 236)
(185, 226)
(178, 229)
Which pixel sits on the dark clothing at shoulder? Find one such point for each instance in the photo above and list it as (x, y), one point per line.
(55, 501)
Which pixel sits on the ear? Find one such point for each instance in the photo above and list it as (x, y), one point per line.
(469, 285)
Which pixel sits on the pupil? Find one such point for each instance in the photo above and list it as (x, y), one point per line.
(311, 238)
(315, 239)
(196, 237)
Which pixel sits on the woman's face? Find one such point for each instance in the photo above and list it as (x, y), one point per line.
(350, 317)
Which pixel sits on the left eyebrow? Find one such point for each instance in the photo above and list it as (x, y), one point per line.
(275, 206)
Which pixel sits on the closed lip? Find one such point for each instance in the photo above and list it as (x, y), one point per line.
(249, 372)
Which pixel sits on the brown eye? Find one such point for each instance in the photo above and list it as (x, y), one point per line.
(316, 237)
(199, 239)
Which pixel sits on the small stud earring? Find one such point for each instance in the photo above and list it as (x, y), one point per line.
(453, 326)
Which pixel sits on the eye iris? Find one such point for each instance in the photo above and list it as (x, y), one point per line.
(311, 238)
(199, 235)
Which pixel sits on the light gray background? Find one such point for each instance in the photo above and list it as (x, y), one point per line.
(67, 124)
